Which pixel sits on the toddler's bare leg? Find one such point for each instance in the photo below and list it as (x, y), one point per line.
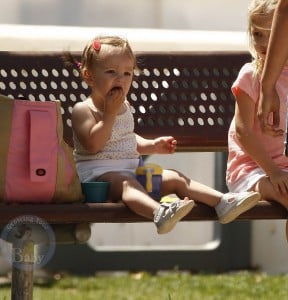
(176, 183)
(136, 198)
(125, 186)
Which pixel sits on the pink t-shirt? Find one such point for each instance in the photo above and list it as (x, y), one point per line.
(239, 162)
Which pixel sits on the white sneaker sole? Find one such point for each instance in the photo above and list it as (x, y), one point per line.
(182, 211)
(249, 202)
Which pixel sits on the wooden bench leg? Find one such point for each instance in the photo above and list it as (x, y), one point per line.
(22, 284)
(23, 256)
(22, 271)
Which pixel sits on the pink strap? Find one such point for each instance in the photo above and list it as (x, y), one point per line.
(40, 158)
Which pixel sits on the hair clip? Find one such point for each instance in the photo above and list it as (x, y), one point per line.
(79, 65)
(96, 45)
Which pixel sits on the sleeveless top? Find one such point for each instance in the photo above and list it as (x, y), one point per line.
(122, 143)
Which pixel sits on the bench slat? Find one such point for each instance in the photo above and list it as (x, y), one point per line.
(118, 213)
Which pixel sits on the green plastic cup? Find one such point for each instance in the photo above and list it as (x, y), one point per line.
(95, 191)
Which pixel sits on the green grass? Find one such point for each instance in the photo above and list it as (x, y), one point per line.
(169, 286)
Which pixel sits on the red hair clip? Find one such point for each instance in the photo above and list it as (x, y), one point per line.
(96, 45)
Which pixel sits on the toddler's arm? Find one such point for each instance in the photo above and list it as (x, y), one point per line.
(160, 145)
(92, 128)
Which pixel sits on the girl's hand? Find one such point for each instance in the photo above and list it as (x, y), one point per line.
(279, 181)
(269, 103)
(114, 100)
(165, 145)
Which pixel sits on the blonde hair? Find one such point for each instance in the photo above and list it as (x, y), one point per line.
(264, 8)
(91, 55)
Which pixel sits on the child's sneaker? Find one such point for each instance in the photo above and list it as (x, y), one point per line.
(169, 214)
(232, 205)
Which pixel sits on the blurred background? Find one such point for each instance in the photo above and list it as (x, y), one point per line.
(164, 14)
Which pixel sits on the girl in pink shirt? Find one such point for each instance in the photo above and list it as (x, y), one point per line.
(257, 161)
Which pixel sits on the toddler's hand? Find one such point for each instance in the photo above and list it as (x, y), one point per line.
(165, 145)
(114, 100)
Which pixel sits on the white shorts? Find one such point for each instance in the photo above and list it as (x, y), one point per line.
(90, 170)
(246, 183)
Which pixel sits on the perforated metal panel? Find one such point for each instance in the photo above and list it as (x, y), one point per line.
(43, 77)
(186, 95)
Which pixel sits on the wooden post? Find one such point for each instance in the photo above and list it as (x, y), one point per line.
(22, 270)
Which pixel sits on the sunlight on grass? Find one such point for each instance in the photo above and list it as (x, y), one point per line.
(166, 286)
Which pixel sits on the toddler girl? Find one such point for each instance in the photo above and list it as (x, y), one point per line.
(107, 149)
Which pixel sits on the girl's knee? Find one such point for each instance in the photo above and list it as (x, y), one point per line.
(130, 183)
(126, 184)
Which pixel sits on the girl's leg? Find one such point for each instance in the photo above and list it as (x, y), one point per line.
(125, 187)
(165, 216)
(174, 182)
(228, 206)
(265, 188)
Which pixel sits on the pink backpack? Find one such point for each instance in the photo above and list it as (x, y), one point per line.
(36, 165)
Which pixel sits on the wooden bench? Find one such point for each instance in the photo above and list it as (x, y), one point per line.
(184, 94)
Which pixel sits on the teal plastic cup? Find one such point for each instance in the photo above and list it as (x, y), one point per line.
(95, 192)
